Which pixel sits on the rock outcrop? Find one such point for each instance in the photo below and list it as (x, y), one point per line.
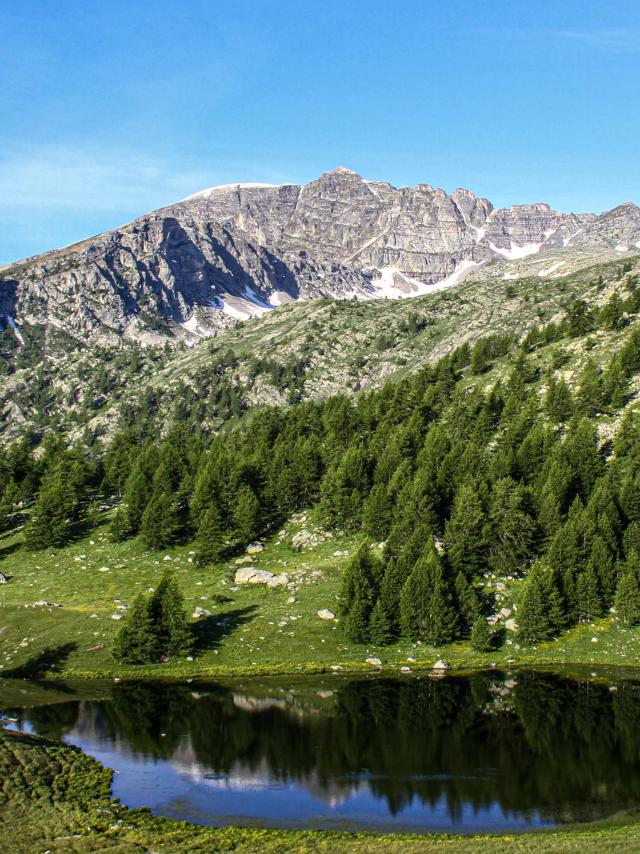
(239, 250)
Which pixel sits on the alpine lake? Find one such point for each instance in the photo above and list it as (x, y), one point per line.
(488, 752)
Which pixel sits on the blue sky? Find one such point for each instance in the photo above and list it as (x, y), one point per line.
(110, 109)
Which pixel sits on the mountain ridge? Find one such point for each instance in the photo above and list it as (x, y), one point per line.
(237, 250)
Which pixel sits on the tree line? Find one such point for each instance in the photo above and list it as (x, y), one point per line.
(459, 478)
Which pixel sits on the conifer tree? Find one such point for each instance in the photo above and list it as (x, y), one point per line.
(469, 605)
(630, 497)
(53, 514)
(481, 635)
(377, 512)
(631, 539)
(443, 615)
(464, 531)
(601, 565)
(210, 540)
(120, 527)
(591, 390)
(510, 529)
(359, 592)
(415, 600)
(136, 641)
(426, 611)
(628, 598)
(173, 636)
(539, 609)
(246, 515)
(380, 632)
(588, 596)
(159, 524)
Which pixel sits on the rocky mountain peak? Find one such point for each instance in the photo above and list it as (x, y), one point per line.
(236, 250)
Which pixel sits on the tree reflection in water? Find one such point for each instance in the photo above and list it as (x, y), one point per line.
(568, 749)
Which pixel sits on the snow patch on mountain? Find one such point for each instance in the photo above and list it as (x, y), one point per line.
(515, 252)
(204, 194)
(16, 331)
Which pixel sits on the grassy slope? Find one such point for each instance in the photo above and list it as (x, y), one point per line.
(258, 631)
(346, 344)
(55, 798)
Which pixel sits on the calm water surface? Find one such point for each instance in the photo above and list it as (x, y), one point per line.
(490, 752)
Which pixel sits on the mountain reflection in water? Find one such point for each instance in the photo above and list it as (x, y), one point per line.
(477, 753)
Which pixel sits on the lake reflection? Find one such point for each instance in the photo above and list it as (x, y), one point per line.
(479, 753)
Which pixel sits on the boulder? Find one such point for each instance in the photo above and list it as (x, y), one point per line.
(254, 548)
(252, 575)
(326, 614)
(374, 662)
(441, 664)
(278, 580)
(201, 612)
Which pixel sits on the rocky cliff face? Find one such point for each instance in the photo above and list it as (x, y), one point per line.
(238, 250)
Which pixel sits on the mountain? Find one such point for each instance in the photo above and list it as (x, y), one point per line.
(238, 250)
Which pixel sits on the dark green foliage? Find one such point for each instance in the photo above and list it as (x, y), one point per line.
(628, 595)
(588, 595)
(359, 593)
(136, 640)
(540, 612)
(173, 636)
(481, 636)
(156, 628)
(210, 542)
(159, 525)
(464, 531)
(426, 611)
(380, 632)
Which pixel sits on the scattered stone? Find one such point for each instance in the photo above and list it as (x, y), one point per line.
(93, 616)
(336, 667)
(326, 614)
(441, 664)
(291, 600)
(200, 612)
(245, 559)
(252, 575)
(500, 587)
(324, 695)
(341, 554)
(104, 569)
(278, 580)
(505, 612)
(167, 557)
(594, 640)
(405, 670)
(3, 578)
(374, 662)
(42, 603)
(511, 625)
(116, 616)
(254, 548)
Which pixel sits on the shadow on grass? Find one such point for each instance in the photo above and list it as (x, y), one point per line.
(6, 551)
(50, 660)
(210, 631)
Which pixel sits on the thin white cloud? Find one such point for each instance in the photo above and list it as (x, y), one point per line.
(63, 179)
(610, 39)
